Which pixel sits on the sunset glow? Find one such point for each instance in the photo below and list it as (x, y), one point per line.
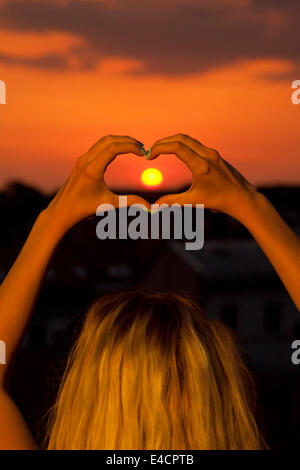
(151, 177)
(68, 84)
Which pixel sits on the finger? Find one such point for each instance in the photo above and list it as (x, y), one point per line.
(107, 155)
(190, 142)
(184, 138)
(170, 199)
(108, 140)
(182, 151)
(133, 199)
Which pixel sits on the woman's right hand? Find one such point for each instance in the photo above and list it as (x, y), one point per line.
(215, 183)
(85, 189)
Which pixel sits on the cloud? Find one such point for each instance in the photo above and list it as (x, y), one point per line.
(168, 37)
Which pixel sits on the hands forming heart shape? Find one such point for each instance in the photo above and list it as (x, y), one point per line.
(215, 183)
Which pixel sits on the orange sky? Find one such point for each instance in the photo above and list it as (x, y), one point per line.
(52, 115)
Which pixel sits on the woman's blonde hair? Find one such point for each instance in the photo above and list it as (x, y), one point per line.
(150, 371)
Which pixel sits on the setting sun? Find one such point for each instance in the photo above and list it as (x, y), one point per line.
(151, 177)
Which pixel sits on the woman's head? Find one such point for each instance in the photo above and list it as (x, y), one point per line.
(150, 371)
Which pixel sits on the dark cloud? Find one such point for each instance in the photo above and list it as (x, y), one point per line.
(46, 61)
(171, 37)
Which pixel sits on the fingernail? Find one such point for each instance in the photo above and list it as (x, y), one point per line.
(141, 143)
(143, 151)
(148, 154)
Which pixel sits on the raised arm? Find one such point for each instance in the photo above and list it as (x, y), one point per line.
(221, 187)
(76, 200)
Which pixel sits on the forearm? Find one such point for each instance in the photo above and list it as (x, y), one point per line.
(279, 243)
(20, 288)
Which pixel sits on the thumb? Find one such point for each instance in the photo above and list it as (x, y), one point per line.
(169, 199)
(133, 199)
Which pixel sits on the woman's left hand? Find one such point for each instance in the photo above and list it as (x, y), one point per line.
(215, 183)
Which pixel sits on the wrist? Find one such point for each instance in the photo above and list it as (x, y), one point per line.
(253, 208)
(51, 225)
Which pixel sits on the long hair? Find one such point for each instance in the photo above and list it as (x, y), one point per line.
(150, 371)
